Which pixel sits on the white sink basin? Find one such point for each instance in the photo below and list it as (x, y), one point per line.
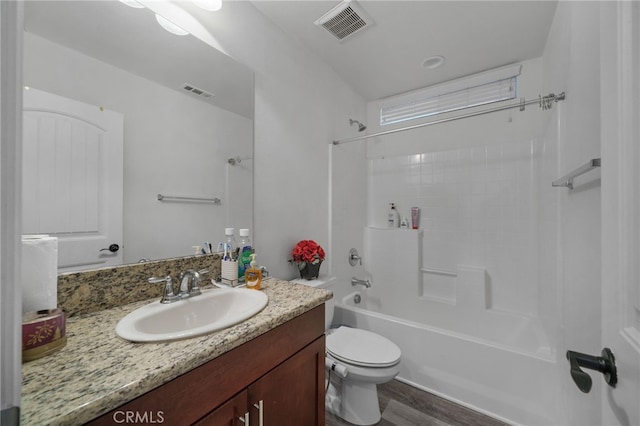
(212, 310)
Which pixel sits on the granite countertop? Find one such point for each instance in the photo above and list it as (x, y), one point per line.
(98, 371)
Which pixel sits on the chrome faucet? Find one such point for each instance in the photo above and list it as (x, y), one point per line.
(190, 283)
(355, 282)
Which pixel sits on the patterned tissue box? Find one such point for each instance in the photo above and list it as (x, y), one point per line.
(43, 332)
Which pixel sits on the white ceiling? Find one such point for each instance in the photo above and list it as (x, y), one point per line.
(386, 59)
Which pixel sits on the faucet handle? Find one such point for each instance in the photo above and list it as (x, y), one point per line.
(167, 295)
(354, 257)
(195, 284)
(265, 271)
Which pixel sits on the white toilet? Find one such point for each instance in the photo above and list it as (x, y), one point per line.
(357, 361)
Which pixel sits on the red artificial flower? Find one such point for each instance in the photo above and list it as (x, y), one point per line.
(307, 251)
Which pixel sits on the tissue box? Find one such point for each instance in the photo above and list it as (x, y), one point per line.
(43, 333)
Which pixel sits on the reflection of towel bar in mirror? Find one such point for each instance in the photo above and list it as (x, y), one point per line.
(567, 180)
(189, 199)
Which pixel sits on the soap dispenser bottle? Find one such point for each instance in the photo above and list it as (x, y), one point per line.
(393, 217)
(244, 253)
(253, 275)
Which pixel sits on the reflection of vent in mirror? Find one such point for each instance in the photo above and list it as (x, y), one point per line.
(196, 91)
(344, 20)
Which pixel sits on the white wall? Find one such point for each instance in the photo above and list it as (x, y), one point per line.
(301, 106)
(173, 145)
(348, 210)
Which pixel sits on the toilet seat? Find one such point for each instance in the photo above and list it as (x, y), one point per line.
(361, 347)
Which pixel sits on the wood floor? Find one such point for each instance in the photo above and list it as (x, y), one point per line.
(404, 405)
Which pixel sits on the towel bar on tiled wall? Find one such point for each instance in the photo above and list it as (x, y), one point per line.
(567, 180)
(189, 199)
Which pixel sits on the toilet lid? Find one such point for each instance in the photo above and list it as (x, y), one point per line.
(361, 347)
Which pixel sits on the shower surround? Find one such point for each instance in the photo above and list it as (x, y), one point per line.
(486, 207)
(479, 325)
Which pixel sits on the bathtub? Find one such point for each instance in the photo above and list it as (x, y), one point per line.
(496, 363)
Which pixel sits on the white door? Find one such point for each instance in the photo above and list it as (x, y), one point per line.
(72, 178)
(620, 50)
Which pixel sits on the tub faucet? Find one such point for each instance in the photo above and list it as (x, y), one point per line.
(355, 282)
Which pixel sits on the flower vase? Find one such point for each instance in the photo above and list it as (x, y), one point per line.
(310, 271)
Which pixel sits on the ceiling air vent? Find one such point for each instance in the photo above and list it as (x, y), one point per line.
(345, 20)
(198, 92)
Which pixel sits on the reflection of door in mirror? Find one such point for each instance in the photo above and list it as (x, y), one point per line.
(176, 142)
(72, 178)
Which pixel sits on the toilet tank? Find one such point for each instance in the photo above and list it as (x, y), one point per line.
(326, 283)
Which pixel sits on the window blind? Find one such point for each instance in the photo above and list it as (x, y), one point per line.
(461, 94)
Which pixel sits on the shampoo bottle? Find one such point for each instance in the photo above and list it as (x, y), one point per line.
(393, 217)
(253, 275)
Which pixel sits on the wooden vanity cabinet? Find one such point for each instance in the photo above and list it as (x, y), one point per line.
(281, 370)
(287, 395)
(229, 413)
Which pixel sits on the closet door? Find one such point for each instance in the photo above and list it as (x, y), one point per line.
(620, 47)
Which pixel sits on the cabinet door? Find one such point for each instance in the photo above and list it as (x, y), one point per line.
(228, 414)
(292, 393)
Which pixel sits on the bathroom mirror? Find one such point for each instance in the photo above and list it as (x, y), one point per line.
(187, 113)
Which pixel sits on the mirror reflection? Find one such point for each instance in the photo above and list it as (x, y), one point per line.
(186, 125)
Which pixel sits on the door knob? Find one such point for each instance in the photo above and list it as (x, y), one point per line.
(606, 364)
(113, 248)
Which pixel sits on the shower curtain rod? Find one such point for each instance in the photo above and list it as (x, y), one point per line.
(544, 102)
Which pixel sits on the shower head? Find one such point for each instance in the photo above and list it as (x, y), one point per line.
(361, 127)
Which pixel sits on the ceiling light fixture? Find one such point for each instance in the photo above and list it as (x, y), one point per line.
(170, 26)
(132, 3)
(209, 5)
(433, 62)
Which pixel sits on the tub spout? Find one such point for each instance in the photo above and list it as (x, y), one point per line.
(355, 282)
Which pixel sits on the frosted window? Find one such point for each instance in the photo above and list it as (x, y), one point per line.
(479, 89)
